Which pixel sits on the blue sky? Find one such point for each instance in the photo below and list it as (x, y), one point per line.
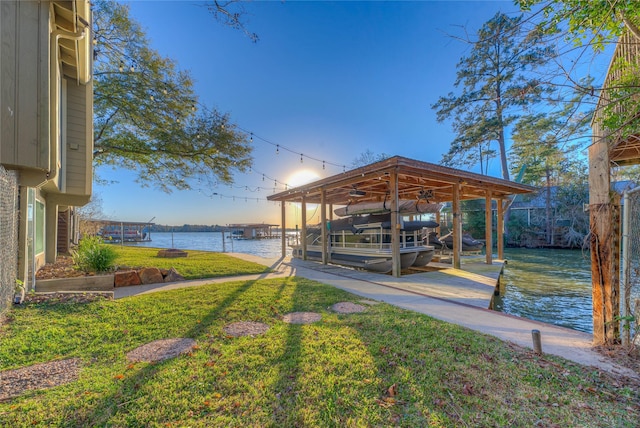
(329, 80)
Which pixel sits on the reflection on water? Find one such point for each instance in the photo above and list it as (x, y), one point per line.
(552, 286)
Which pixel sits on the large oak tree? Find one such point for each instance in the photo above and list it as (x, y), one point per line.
(147, 117)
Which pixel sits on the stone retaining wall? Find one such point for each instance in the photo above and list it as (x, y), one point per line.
(109, 282)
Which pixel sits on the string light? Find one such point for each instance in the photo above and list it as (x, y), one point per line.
(165, 91)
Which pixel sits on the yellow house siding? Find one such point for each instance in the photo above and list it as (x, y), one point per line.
(24, 105)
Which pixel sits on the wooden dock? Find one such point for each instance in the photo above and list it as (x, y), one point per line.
(474, 284)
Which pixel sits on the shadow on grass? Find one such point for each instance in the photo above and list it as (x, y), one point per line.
(284, 408)
(111, 403)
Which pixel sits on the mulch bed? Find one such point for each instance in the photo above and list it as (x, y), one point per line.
(245, 328)
(348, 308)
(159, 350)
(62, 268)
(67, 297)
(38, 376)
(301, 317)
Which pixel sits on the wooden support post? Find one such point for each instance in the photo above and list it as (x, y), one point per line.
(283, 228)
(328, 236)
(457, 226)
(500, 228)
(303, 229)
(323, 226)
(601, 233)
(488, 228)
(51, 232)
(395, 227)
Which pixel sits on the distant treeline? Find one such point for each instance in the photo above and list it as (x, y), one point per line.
(193, 228)
(187, 228)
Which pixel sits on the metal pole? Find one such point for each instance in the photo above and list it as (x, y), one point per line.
(625, 274)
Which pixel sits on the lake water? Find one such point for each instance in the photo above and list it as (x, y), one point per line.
(552, 286)
(212, 241)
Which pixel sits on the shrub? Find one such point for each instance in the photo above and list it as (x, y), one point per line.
(94, 256)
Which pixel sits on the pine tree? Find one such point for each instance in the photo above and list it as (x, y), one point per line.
(495, 86)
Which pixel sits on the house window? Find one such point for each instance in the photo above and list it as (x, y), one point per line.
(39, 230)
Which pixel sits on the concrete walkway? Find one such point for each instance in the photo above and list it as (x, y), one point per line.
(406, 293)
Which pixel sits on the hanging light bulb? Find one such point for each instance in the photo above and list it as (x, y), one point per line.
(251, 138)
(262, 177)
(277, 149)
(95, 41)
(301, 160)
(193, 107)
(132, 68)
(322, 164)
(121, 68)
(152, 98)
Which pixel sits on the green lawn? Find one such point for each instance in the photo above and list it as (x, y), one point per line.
(198, 264)
(382, 367)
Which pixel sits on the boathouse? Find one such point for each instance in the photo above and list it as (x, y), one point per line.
(113, 231)
(399, 178)
(252, 231)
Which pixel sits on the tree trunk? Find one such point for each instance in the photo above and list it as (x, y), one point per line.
(503, 158)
